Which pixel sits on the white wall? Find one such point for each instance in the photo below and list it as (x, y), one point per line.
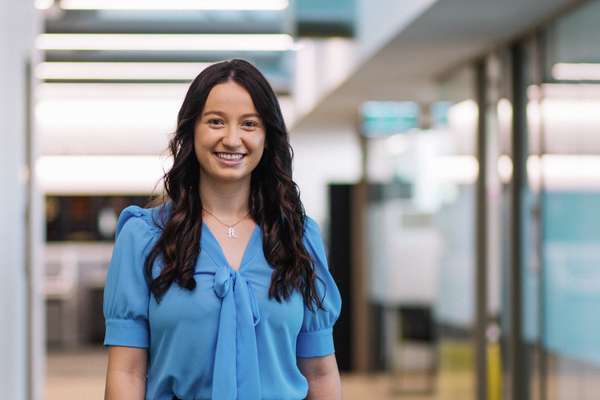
(18, 25)
(322, 156)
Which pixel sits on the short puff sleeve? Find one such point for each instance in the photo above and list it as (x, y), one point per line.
(316, 334)
(126, 292)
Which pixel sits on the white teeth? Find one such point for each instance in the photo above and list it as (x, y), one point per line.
(230, 156)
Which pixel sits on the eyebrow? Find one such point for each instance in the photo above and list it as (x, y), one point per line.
(223, 114)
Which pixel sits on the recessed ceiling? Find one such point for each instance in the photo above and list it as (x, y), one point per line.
(449, 33)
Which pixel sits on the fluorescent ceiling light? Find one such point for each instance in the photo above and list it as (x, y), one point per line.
(566, 171)
(505, 168)
(576, 72)
(560, 171)
(463, 114)
(458, 169)
(274, 5)
(397, 144)
(119, 70)
(43, 4)
(101, 174)
(165, 42)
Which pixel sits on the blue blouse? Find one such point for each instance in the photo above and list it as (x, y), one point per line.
(225, 339)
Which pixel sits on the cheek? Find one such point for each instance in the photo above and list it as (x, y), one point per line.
(260, 143)
(197, 146)
(259, 148)
(201, 146)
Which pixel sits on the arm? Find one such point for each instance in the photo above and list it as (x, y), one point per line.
(126, 373)
(323, 377)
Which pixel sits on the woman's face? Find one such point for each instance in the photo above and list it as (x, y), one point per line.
(229, 135)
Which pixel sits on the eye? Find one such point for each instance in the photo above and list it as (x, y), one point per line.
(250, 124)
(215, 121)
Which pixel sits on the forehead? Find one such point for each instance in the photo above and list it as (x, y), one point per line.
(229, 97)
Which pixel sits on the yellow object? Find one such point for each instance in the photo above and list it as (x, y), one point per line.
(494, 372)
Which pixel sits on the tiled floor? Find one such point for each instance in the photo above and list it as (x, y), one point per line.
(381, 387)
(75, 374)
(80, 375)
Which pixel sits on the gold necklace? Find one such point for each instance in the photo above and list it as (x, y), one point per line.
(230, 228)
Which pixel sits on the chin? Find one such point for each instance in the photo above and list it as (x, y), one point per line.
(230, 177)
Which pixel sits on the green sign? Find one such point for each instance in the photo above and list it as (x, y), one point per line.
(385, 118)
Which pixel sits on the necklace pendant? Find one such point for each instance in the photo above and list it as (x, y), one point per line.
(231, 232)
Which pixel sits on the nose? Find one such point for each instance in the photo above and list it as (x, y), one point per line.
(232, 137)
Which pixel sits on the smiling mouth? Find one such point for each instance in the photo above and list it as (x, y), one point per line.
(230, 156)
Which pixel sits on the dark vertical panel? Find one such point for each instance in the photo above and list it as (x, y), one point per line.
(518, 361)
(481, 238)
(339, 239)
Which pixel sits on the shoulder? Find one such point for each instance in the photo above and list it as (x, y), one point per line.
(311, 228)
(313, 239)
(134, 219)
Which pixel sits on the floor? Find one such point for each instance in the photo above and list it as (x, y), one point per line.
(80, 375)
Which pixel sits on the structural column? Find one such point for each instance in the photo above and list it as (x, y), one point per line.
(360, 325)
(481, 239)
(518, 361)
(21, 319)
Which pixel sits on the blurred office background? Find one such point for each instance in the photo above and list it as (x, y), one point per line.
(449, 149)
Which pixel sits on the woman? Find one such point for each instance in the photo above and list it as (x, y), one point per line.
(222, 291)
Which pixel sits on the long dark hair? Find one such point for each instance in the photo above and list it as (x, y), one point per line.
(274, 197)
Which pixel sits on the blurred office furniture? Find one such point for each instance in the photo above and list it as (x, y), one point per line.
(75, 274)
(79, 232)
(61, 297)
(414, 358)
(402, 251)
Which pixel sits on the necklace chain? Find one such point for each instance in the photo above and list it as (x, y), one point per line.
(230, 228)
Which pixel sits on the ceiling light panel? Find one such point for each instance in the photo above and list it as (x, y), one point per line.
(165, 42)
(101, 174)
(115, 71)
(576, 72)
(274, 5)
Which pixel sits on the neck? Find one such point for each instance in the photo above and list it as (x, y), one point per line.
(226, 200)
